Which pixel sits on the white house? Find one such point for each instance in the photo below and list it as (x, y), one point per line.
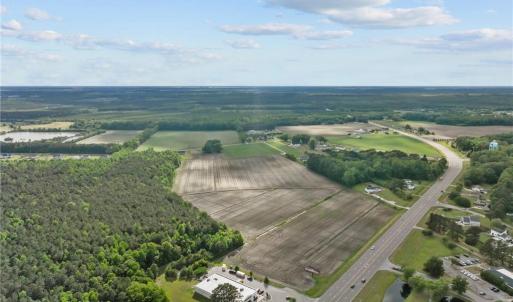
(503, 236)
(372, 189)
(470, 221)
(494, 145)
(206, 287)
(409, 184)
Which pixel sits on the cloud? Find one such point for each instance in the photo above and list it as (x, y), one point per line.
(37, 36)
(243, 44)
(297, 31)
(10, 50)
(484, 39)
(370, 13)
(3, 9)
(37, 14)
(12, 25)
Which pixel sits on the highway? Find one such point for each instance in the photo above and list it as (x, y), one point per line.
(372, 260)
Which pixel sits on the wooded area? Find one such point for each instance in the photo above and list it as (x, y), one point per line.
(100, 230)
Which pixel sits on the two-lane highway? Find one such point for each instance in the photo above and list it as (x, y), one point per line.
(372, 260)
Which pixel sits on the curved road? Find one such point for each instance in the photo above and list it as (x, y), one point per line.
(372, 260)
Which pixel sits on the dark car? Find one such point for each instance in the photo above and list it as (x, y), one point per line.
(352, 286)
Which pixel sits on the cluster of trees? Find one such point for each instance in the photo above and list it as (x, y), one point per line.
(141, 138)
(100, 229)
(491, 167)
(497, 252)
(301, 139)
(437, 288)
(212, 146)
(351, 168)
(455, 195)
(55, 147)
(443, 225)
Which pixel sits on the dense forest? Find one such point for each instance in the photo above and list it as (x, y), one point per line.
(350, 168)
(100, 230)
(491, 167)
(219, 108)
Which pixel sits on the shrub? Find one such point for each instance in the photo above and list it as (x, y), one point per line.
(427, 232)
(171, 274)
(463, 202)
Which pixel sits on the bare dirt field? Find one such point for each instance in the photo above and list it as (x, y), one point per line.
(217, 173)
(290, 217)
(455, 131)
(336, 129)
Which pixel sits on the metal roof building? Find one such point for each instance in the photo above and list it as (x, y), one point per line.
(207, 286)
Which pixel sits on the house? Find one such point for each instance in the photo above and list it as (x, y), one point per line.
(494, 145)
(478, 189)
(501, 235)
(206, 287)
(470, 221)
(408, 184)
(372, 189)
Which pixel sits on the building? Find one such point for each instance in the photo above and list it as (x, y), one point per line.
(494, 145)
(501, 235)
(505, 275)
(408, 183)
(372, 189)
(470, 221)
(206, 287)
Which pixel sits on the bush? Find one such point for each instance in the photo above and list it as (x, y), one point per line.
(451, 245)
(212, 146)
(171, 274)
(290, 156)
(453, 195)
(427, 232)
(463, 202)
(434, 267)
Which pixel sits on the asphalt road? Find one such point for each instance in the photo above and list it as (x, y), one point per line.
(372, 260)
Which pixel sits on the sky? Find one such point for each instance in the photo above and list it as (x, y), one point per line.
(257, 42)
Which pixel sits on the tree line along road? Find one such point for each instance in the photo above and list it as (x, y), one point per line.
(372, 260)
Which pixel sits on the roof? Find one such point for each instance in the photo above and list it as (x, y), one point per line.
(214, 280)
(505, 275)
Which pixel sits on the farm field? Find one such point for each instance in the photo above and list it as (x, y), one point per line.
(111, 137)
(385, 142)
(28, 136)
(52, 125)
(249, 150)
(186, 140)
(296, 218)
(335, 129)
(287, 149)
(455, 131)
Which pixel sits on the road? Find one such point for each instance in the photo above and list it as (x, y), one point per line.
(372, 260)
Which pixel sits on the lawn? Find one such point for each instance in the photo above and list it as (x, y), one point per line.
(179, 290)
(375, 290)
(249, 150)
(385, 142)
(186, 140)
(421, 187)
(417, 249)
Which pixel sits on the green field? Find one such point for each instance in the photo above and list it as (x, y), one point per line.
(297, 152)
(417, 249)
(249, 150)
(385, 142)
(375, 290)
(179, 290)
(187, 140)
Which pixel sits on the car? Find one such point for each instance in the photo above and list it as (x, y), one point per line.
(352, 286)
(364, 280)
(373, 247)
(482, 293)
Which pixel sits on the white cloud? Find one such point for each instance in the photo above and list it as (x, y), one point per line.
(3, 9)
(41, 36)
(243, 44)
(297, 31)
(37, 14)
(370, 13)
(16, 51)
(12, 25)
(484, 39)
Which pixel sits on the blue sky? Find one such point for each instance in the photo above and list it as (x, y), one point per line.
(257, 42)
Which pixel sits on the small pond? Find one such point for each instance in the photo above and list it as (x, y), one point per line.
(397, 292)
(26, 136)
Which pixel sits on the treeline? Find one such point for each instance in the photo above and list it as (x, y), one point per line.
(100, 230)
(351, 168)
(468, 144)
(141, 138)
(55, 147)
(460, 119)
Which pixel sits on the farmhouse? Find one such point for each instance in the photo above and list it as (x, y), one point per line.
(206, 287)
(470, 221)
(372, 189)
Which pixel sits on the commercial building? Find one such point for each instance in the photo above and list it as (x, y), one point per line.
(206, 287)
